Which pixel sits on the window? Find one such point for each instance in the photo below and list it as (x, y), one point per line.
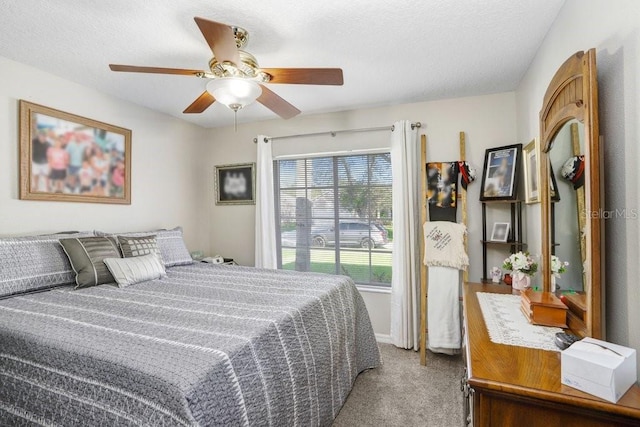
(335, 216)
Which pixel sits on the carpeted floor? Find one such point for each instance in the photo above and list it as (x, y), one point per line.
(404, 393)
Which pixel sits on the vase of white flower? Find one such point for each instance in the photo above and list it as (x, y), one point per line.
(521, 281)
(557, 268)
(522, 267)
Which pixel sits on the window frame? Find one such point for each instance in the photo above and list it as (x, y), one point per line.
(337, 249)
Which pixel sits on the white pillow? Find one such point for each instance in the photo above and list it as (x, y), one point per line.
(128, 271)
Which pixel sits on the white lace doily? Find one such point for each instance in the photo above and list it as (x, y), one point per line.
(507, 325)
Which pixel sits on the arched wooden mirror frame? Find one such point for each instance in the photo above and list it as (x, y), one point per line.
(573, 94)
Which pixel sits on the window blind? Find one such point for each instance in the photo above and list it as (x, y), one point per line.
(335, 216)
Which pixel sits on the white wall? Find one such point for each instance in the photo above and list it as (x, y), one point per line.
(168, 172)
(488, 121)
(613, 28)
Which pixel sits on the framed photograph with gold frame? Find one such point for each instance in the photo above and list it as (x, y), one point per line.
(69, 158)
(531, 156)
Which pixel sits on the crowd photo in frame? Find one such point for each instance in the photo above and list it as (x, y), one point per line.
(235, 184)
(500, 173)
(69, 158)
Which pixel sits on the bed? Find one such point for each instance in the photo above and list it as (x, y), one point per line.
(205, 345)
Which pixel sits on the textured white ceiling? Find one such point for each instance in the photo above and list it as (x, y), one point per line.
(391, 52)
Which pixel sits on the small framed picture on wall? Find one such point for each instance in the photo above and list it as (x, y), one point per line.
(235, 184)
(500, 174)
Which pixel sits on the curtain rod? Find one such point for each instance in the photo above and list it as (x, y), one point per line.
(335, 132)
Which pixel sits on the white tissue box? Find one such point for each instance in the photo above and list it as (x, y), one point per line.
(600, 368)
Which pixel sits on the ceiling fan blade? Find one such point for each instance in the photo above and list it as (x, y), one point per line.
(156, 70)
(306, 76)
(201, 103)
(276, 104)
(220, 39)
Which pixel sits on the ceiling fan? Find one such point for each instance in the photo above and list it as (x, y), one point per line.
(235, 79)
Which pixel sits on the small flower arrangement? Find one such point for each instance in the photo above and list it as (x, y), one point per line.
(558, 267)
(520, 263)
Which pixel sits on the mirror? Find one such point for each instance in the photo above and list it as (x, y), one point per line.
(566, 157)
(571, 226)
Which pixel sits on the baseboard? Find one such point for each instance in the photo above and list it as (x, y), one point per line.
(383, 338)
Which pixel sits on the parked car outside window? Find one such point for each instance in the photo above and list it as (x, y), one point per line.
(352, 233)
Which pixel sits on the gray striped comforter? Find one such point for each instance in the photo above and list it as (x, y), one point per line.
(207, 345)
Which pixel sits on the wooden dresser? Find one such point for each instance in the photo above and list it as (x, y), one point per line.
(518, 386)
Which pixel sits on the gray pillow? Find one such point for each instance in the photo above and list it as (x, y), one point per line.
(86, 256)
(34, 263)
(172, 247)
(170, 242)
(129, 271)
(138, 246)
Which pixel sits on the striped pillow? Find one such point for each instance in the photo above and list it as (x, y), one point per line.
(129, 271)
(86, 256)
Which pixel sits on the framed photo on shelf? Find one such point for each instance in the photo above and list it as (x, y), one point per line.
(500, 173)
(69, 158)
(500, 232)
(531, 156)
(235, 184)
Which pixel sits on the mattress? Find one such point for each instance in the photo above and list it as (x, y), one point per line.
(206, 345)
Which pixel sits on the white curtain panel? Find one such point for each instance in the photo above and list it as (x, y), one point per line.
(405, 279)
(266, 256)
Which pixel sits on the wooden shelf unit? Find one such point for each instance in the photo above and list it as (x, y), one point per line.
(514, 241)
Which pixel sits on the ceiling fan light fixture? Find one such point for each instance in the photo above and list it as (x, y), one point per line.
(233, 92)
(234, 77)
